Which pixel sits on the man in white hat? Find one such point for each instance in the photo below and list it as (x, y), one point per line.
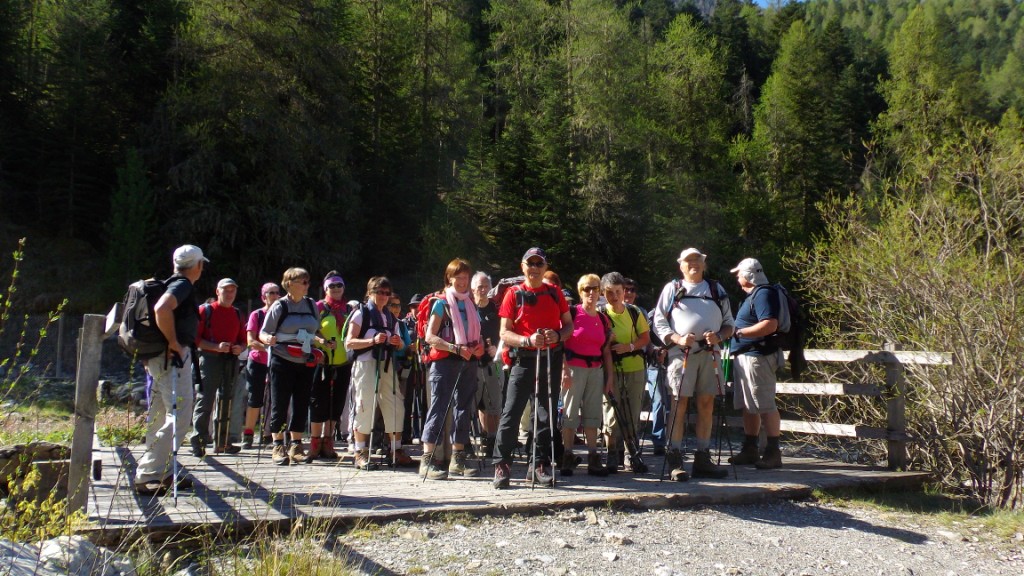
(177, 320)
(693, 316)
(756, 358)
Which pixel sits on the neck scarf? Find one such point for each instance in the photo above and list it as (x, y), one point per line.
(465, 333)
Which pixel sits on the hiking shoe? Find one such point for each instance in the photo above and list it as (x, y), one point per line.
(541, 474)
(247, 441)
(569, 463)
(458, 467)
(614, 461)
(772, 459)
(679, 474)
(198, 448)
(746, 456)
(362, 460)
(637, 465)
(425, 462)
(674, 458)
(703, 467)
(185, 482)
(594, 465)
(502, 475)
(280, 455)
(151, 488)
(315, 449)
(327, 451)
(227, 449)
(402, 460)
(297, 453)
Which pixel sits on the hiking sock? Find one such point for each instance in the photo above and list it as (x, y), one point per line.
(773, 443)
(295, 441)
(247, 431)
(751, 439)
(703, 444)
(396, 444)
(278, 442)
(360, 445)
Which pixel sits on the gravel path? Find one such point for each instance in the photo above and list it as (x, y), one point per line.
(777, 538)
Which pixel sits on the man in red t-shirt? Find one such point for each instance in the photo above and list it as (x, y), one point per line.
(220, 339)
(534, 318)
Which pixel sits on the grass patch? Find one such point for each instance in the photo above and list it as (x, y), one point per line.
(942, 509)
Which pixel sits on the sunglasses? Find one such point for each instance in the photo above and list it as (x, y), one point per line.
(334, 286)
(382, 292)
(536, 263)
(589, 289)
(631, 290)
(272, 293)
(395, 305)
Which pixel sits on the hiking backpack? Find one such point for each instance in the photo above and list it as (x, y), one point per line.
(428, 353)
(791, 332)
(330, 330)
(138, 334)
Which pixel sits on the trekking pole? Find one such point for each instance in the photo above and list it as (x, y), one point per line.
(376, 394)
(636, 463)
(263, 424)
(673, 414)
(394, 417)
(722, 423)
(444, 419)
(551, 418)
(175, 360)
(533, 442)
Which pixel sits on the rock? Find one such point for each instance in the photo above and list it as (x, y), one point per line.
(610, 556)
(546, 559)
(559, 571)
(560, 543)
(71, 555)
(520, 562)
(474, 565)
(948, 535)
(617, 538)
(591, 517)
(663, 571)
(733, 571)
(413, 533)
(1019, 536)
(501, 544)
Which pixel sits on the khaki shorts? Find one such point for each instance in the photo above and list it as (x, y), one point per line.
(581, 403)
(488, 389)
(699, 375)
(755, 383)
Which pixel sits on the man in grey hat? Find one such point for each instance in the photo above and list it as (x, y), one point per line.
(221, 340)
(756, 358)
(693, 316)
(171, 391)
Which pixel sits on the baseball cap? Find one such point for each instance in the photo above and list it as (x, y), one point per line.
(226, 282)
(535, 252)
(752, 269)
(690, 252)
(188, 256)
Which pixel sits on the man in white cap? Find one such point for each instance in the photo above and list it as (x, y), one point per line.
(693, 316)
(756, 358)
(171, 395)
(221, 339)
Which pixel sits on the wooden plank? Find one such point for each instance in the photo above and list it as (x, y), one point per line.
(90, 351)
(880, 357)
(827, 389)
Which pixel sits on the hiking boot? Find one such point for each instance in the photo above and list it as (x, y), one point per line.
(658, 451)
(594, 465)
(327, 451)
(703, 467)
(458, 467)
(401, 460)
(569, 463)
(772, 459)
(614, 461)
(541, 474)
(247, 441)
(502, 475)
(362, 460)
(185, 482)
(280, 455)
(637, 465)
(746, 456)
(227, 449)
(297, 453)
(198, 448)
(315, 449)
(151, 488)
(674, 458)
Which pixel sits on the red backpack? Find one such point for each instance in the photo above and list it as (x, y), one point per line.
(427, 353)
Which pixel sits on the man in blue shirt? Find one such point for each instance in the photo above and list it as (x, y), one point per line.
(756, 358)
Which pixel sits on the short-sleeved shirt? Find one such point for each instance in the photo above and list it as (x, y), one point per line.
(254, 325)
(371, 321)
(544, 313)
(626, 333)
(301, 316)
(220, 324)
(186, 315)
(588, 337)
(696, 313)
(761, 304)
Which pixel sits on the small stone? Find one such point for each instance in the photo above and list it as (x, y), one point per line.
(591, 517)
(501, 544)
(559, 571)
(733, 571)
(776, 541)
(617, 538)
(610, 556)
(1019, 536)
(560, 543)
(474, 564)
(663, 571)
(460, 528)
(546, 559)
(948, 535)
(520, 562)
(602, 523)
(416, 534)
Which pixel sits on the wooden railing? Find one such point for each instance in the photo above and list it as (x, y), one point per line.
(892, 390)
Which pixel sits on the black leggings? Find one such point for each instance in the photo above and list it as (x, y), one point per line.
(290, 383)
(330, 389)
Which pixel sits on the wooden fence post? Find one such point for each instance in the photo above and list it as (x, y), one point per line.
(896, 412)
(95, 329)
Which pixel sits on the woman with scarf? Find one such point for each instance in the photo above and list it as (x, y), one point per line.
(453, 333)
(330, 385)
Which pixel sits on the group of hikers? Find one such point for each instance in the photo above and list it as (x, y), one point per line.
(479, 352)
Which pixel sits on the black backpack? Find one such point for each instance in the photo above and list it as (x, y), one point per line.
(138, 334)
(791, 335)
